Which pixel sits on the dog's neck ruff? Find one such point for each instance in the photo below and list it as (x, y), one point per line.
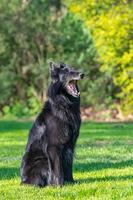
(60, 100)
(57, 95)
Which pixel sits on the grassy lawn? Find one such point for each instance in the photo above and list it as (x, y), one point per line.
(103, 165)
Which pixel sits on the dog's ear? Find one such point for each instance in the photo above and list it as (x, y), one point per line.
(54, 71)
(62, 65)
(52, 66)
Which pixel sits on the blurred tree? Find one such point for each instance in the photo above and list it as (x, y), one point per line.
(31, 34)
(111, 24)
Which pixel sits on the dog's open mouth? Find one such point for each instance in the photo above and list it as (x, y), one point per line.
(72, 88)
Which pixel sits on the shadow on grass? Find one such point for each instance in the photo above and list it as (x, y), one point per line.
(12, 125)
(7, 173)
(94, 166)
(106, 178)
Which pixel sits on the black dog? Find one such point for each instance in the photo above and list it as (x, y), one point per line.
(49, 152)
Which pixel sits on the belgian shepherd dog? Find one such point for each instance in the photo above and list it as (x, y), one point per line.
(48, 158)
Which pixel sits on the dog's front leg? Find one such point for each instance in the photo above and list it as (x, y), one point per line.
(56, 176)
(68, 165)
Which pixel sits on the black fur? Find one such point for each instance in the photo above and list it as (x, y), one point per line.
(48, 157)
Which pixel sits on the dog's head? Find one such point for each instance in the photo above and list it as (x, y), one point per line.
(67, 76)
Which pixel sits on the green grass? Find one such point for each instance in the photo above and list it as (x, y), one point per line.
(103, 165)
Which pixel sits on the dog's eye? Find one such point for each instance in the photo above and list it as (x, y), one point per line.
(72, 72)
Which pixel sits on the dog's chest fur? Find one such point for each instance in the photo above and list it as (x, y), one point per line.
(61, 122)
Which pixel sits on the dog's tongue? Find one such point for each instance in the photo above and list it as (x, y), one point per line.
(73, 87)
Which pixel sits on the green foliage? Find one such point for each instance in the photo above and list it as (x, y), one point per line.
(97, 92)
(102, 165)
(32, 33)
(35, 31)
(111, 25)
(23, 109)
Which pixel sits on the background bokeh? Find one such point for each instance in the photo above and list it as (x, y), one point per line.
(93, 35)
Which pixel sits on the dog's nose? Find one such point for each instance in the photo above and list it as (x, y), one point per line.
(81, 75)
